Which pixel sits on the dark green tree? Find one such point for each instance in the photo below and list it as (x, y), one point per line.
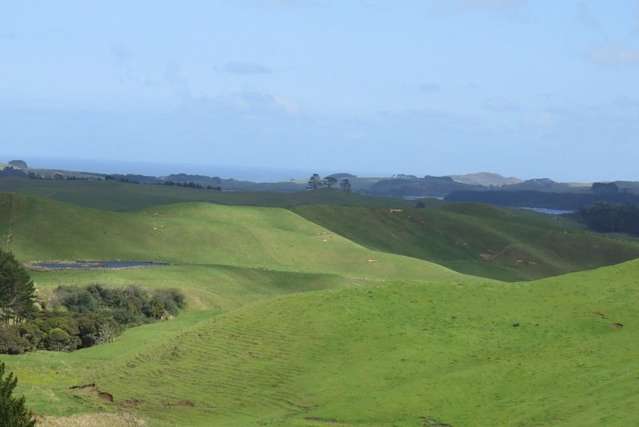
(17, 292)
(345, 185)
(13, 412)
(314, 182)
(330, 181)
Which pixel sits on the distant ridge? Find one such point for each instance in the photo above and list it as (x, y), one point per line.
(486, 179)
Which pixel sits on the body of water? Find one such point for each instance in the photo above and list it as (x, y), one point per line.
(549, 211)
(89, 265)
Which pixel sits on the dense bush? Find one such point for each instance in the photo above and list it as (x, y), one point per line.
(82, 317)
(608, 218)
(11, 342)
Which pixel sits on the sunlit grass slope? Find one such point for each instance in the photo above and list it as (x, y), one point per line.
(196, 233)
(560, 352)
(45, 377)
(289, 324)
(481, 240)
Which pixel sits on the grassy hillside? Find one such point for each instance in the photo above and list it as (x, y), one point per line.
(197, 233)
(289, 324)
(534, 354)
(382, 354)
(119, 196)
(210, 290)
(477, 239)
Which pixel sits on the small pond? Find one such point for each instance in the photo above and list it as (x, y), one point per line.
(546, 211)
(90, 265)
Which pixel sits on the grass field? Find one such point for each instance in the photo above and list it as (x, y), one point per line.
(394, 355)
(481, 240)
(478, 240)
(374, 354)
(290, 324)
(197, 233)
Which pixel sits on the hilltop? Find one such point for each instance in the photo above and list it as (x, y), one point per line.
(486, 179)
(194, 234)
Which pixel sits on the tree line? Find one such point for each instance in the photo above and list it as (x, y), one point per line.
(315, 182)
(611, 218)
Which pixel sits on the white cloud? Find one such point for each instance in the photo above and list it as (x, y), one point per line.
(615, 56)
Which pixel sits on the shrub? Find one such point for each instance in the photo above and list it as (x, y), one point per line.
(32, 334)
(59, 340)
(11, 342)
(77, 299)
(96, 329)
(13, 412)
(170, 300)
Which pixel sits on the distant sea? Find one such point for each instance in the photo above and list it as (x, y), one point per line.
(248, 173)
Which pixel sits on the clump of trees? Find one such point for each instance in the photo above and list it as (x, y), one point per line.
(315, 182)
(74, 317)
(17, 292)
(345, 185)
(194, 185)
(610, 218)
(605, 188)
(13, 411)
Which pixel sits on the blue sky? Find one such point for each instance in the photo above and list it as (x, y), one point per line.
(525, 88)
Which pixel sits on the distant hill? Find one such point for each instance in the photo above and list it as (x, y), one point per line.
(343, 175)
(124, 196)
(545, 184)
(429, 186)
(628, 186)
(20, 164)
(542, 199)
(486, 179)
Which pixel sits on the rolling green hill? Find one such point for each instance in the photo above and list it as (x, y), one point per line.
(401, 354)
(473, 239)
(481, 240)
(196, 233)
(551, 352)
(290, 324)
